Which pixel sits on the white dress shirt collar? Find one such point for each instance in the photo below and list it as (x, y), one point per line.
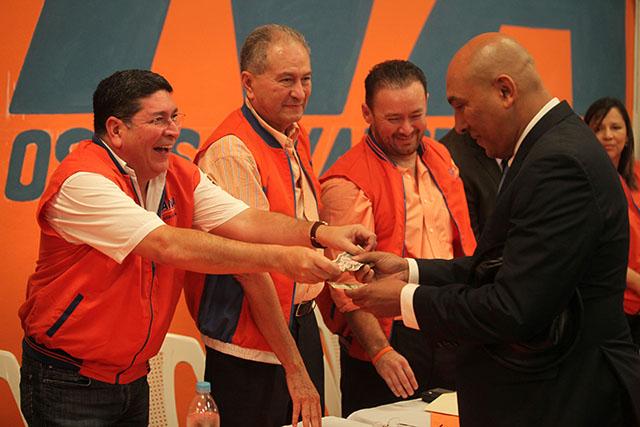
(544, 110)
(155, 186)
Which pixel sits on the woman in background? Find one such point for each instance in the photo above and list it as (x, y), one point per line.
(610, 122)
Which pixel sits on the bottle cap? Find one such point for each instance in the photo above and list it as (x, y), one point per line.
(203, 387)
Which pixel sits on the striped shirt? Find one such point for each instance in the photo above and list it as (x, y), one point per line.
(229, 163)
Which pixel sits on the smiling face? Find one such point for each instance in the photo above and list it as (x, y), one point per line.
(397, 118)
(280, 93)
(145, 141)
(612, 134)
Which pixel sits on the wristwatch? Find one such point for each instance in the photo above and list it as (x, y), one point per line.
(312, 234)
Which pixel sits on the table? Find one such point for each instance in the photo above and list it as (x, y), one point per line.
(407, 413)
(337, 422)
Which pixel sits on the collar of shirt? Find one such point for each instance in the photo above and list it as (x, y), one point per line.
(285, 139)
(421, 169)
(308, 208)
(544, 110)
(154, 188)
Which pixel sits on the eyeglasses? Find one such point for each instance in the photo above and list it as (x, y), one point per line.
(163, 122)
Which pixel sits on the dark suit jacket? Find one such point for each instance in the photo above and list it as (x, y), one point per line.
(480, 175)
(560, 224)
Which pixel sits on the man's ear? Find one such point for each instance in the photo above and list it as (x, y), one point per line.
(367, 113)
(114, 128)
(246, 78)
(506, 88)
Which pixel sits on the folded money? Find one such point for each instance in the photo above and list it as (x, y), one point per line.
(344, 286)
(345, 263)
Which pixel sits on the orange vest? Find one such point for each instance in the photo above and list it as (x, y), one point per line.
(83, 309)
(217, 302)
(386, 193)
(632, 299)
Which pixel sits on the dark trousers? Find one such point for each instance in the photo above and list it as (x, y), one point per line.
(252, 393)
(433, 366)
(634, 325)
(51, 396)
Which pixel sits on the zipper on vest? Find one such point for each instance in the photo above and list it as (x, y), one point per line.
(153, 276)
(144, 344)
(404, 200)
(295, 210)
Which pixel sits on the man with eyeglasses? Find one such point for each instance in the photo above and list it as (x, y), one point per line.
(259, 329)
(121, 220)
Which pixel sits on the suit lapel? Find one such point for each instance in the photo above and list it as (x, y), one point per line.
(494, 235)
(548, 121)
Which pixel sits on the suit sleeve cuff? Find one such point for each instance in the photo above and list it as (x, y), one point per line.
(414, 273)
(406, 306)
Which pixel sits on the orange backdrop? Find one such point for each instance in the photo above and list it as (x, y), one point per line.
(207, 100)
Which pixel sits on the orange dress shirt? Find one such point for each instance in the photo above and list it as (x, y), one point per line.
(429, 226)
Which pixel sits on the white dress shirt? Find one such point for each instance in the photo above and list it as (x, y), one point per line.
(91, 209)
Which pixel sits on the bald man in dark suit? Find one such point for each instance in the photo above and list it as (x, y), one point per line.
(537, 309)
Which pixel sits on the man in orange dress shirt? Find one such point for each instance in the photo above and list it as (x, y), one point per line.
(405, 187)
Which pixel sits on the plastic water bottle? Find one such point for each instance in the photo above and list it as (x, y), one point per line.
(203, 411)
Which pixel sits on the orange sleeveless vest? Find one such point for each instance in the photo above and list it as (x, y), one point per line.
(386, 193)
(84, 310)
(216, 302)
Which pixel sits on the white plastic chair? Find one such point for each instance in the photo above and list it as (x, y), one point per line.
(10, 371)
(162, 401)
(331, 359)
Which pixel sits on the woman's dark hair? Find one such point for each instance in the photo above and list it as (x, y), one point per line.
(594, 116)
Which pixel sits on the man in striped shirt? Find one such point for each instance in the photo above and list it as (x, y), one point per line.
(260, 154)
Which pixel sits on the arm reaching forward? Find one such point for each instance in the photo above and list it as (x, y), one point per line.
(207, 253)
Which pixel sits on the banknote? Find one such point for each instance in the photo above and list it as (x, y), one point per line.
(345, 263)
(344, 286)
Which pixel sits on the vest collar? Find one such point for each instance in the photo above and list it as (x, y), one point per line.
(96, 140)
(375, 147)
(257, 127)
(158, 186)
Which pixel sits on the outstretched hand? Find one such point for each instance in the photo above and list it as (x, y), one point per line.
(381, 297)
(380, 265)
(306, 265)
(353, 239)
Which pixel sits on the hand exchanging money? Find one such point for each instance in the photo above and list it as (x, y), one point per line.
(346, 263)
(387, 274)
(344, 286)
(306, 265)
(379, 265)
(381, 297)
(353, 239)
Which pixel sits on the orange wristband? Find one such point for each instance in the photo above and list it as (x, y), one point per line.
(381, 353)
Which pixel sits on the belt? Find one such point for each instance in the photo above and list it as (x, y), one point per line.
(304, 308)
